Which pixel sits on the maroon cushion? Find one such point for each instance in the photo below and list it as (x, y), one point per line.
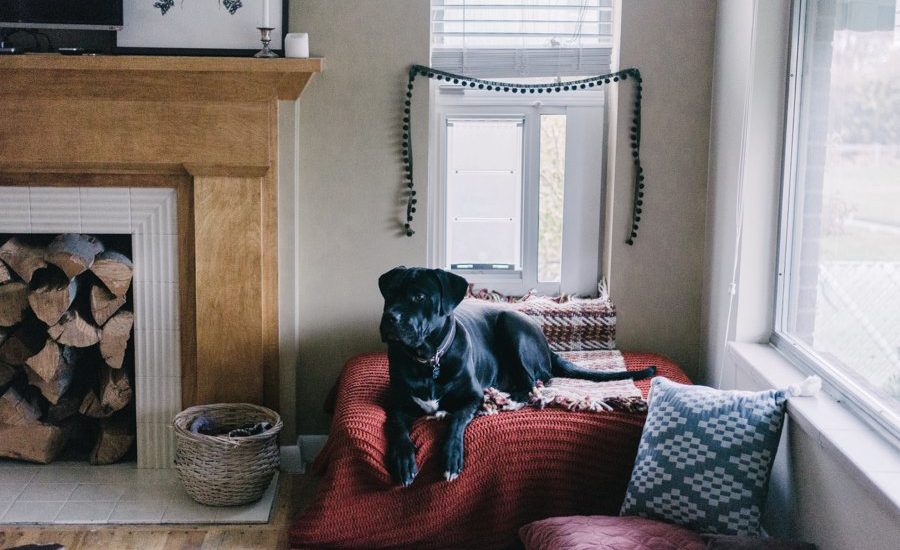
(607, 533)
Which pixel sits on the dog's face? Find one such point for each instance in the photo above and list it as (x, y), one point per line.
(417, 302)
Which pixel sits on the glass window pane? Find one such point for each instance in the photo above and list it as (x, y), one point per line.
(484, 193)
(553, 179)
(844, 300)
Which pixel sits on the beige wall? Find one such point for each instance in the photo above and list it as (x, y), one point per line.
(349, 174)
(349, 181)
(656, 284)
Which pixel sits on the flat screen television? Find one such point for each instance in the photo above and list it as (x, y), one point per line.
(62, 14)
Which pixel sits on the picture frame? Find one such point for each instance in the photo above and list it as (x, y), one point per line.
(199, 27)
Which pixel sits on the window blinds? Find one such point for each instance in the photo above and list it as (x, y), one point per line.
(521, 38)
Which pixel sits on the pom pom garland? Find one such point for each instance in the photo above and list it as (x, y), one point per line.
(510, 87)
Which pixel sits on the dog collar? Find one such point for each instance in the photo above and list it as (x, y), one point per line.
(435, 360)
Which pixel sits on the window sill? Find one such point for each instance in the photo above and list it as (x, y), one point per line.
(865, 454)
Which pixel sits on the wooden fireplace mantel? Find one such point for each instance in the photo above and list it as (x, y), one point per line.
(203, 125)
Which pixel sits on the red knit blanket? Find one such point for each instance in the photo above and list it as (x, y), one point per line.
(520, 466)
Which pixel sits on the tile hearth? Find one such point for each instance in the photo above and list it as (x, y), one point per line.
(77, 493)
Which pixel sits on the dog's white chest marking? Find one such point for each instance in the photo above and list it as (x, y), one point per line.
(430, 406)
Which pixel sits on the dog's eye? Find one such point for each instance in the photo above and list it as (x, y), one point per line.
(418, 298)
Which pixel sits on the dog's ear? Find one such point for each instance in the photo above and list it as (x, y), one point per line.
(389, 281)
(453, 289)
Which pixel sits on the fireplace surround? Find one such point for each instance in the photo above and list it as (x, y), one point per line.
(192, 144)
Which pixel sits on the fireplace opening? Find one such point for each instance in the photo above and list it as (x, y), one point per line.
(67, 361)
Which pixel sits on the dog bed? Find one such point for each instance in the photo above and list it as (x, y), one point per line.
(520, 466)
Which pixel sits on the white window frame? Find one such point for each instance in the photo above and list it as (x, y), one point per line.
(859, 398)
(583, 202)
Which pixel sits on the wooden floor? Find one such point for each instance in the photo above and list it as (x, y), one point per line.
(294, 492)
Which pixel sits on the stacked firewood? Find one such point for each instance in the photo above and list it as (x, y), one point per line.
(65, 325)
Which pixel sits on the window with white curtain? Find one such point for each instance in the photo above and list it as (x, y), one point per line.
(518, 181)
(839, 268)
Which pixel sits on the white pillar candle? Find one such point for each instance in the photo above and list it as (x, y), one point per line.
(296, 44)
(266, 22)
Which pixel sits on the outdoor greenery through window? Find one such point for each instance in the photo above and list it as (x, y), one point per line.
(553, 183)
(841, 250)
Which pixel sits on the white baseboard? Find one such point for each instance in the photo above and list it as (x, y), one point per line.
(310, 445)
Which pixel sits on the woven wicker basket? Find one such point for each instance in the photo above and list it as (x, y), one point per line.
(221, 470)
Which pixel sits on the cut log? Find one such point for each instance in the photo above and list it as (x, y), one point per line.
(5, 275)
(49, 372)
(115, 270)
(22, 258)
(114, 440)
(35, 443)
(20, 345)
(7, 374)
(65, 408)
(13, 303)
(73, 330)
(114, 339)
(15, 410)
(115, 394)
(52, 295)
(104, 304)
(73, 253)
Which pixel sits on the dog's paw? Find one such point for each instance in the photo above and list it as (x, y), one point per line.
(453, 460)
(401, 463)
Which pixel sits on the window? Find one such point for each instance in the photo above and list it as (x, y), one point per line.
(518, 181)
(838, 307)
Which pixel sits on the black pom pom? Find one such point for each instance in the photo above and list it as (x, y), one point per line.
(405, 136)
(615, 79)
(506, 88)
(531, 90)
(637, 218)
(606, 80)
(522, 91)
(413, 210)
(410, 185)
(408, 94)
(406, 111)
(490, 87)
(557, 89)
(566, 88)
(629, 242)
(591, 84)
(625, 76)
(634, 234)
(414, 201)
(582, 86)
(540, 90)
(430, 75)
(440, 77)
(639, 202)
(481, 86)
(407, 103)
(410, 232)
(406, 225)
(640, 194)
(638, 210)
(413, 193)
(640, 186)
(456, 81)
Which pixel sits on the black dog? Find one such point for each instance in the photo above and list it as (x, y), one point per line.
(442, 357)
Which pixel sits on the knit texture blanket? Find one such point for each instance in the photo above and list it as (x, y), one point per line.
(520, 466)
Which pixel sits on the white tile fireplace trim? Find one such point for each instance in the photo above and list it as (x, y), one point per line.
(149, 216)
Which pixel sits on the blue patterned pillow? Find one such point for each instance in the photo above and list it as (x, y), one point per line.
(705, 456)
